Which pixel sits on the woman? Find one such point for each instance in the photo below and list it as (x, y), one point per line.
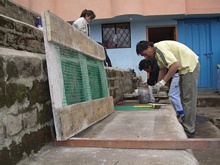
(82, 23)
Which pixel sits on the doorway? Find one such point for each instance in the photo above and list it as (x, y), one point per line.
(156, 34)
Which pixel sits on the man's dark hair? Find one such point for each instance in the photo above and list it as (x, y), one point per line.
(154, 69)
(144, 64)
(143, 45)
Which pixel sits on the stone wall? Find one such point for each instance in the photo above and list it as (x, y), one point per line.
(20, 36)
(18, 12)
(119, 82)
(25, 110)
(26, 119)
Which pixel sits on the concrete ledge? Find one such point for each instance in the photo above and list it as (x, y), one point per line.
(208, 98)
(208, 102)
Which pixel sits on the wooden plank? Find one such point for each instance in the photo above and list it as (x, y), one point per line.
(169, 144)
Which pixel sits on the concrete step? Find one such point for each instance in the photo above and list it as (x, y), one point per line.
(208, 98)
(208, 103)
(207, 126)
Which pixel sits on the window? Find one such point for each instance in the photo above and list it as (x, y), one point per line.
(116, 35)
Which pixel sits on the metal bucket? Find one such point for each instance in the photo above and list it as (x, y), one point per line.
(143, 95)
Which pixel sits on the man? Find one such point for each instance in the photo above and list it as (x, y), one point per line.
(38, 23)
(151, 66)
(175, 56)
(107, 61)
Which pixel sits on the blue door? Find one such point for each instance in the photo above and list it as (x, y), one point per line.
(197, 36)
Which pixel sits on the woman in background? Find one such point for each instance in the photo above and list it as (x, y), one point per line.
(82, 23)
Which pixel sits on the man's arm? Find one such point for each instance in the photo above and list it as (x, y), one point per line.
(172, 70)
(163, 80)
(162, 73)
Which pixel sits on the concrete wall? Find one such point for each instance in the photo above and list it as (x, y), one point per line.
(26, 119)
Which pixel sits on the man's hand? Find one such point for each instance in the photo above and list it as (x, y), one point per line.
(157, 86)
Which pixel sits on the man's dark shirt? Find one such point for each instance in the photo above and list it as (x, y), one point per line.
(154, 72)
(107, 61)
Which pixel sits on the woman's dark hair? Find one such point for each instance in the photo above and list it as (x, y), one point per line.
(89, 13)
(143, 45)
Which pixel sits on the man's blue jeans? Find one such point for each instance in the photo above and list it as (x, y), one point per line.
(174, 94)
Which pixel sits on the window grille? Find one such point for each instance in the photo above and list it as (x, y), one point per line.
(116, 35)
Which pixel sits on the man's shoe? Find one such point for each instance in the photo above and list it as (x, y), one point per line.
(190, 135)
